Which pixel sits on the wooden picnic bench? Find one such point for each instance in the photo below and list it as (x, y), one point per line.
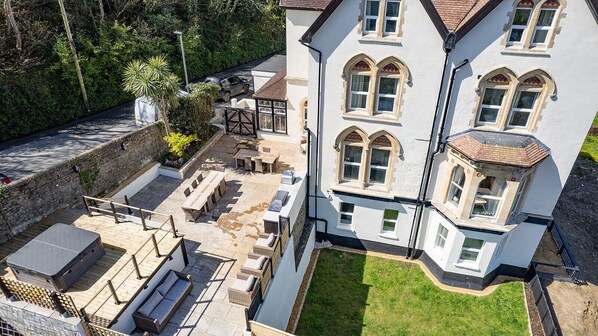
(269, 159)
(203, 197)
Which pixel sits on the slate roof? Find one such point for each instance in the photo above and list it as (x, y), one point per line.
(275, 88)
(272, 64)
(500, 148)
(304, 4)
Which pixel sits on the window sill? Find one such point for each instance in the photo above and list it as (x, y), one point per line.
(345, 227)
(390, 39)
(354, 188)
(525, 52)
(390, 236)
(357, 115)
(468, 266)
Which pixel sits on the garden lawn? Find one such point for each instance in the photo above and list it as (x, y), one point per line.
(354, 294)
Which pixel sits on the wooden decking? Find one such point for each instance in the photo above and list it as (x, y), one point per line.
(120, 241)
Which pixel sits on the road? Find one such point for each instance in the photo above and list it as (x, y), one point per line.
(34, 153)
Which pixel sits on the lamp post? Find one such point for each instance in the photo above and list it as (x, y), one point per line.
(180, 34)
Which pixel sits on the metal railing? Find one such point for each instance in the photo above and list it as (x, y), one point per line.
(546, 318)
(563, 250)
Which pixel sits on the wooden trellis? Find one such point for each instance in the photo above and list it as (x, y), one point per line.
(96, 330)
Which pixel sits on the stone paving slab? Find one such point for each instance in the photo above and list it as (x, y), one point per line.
(218, 243)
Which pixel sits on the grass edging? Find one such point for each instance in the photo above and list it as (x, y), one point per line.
(302, 294)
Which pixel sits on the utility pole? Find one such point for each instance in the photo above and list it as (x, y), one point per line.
(180, 34)
(74, 51)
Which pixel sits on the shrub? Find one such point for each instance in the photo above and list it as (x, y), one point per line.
(179, 143)
(195, 110)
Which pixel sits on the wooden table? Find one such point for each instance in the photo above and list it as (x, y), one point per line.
(201, 197)
(267, 158)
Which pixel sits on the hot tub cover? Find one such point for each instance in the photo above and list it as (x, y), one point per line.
(51, 252)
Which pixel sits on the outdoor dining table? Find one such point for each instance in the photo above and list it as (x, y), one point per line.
(201, 197)
(267, 158)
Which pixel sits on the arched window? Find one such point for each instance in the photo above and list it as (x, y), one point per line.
(545, 22)
(521, 19)
(388, 89)
(489, 197)
(493, 97)
(525, 102)
(353, 146)
(381, 150)
(533, 23)
(456, 186)
(359, 88)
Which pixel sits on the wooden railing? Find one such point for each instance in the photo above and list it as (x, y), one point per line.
(259, 329)
(94, 205)
(43, 297)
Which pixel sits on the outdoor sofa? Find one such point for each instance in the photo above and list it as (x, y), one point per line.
(155, 312)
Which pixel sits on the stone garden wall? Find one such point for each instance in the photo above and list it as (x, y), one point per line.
(99, 170)
(30, 320)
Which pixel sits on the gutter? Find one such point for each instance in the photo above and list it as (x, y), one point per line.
(433, 149)
(309, 135)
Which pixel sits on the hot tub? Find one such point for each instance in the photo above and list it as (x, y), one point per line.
(57, 257)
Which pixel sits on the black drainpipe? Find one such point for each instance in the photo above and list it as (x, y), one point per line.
(309, 135)
(449, 45)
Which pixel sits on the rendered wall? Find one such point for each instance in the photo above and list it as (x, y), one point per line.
(28, 200)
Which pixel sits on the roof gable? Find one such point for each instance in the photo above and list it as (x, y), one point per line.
(304, 4)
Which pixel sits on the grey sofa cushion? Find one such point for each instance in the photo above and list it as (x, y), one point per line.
(150, 304)
(177, 290)
(162, 310)
(168, 282)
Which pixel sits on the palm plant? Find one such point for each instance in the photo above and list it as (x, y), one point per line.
(154, 80)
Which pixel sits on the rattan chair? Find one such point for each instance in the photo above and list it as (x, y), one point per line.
(264, 249)
(242, 297)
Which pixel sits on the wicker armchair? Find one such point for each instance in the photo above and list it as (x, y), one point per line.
(240, 296)
(261, 246)
(264, 273)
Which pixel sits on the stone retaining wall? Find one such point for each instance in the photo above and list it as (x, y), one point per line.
(100, 170)
(30, 320)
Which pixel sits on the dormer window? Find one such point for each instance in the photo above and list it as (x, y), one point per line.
(533, 24)
(381, 18)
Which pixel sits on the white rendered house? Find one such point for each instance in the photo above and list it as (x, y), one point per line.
(443, 130)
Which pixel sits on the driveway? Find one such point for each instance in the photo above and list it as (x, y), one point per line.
(40, 151)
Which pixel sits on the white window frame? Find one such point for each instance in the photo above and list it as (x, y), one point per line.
(543, 28)
(385, 168)
(529, 111)
(358, 164)
(519, 195)
(488, 197)
(261, 109)
(391, 18)
(390, 233)
(454, 184)
(342, 225)
(360, 93)
(499, 107)
(371, 17)
(471, 249)
(386, 95)
(439, 237)
(524, 27)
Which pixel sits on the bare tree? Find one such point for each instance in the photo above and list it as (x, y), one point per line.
(12, 24)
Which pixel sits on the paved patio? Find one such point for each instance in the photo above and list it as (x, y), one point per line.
(217, 244)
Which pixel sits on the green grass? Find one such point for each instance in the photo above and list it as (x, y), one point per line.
(589, 149)
(353, 294)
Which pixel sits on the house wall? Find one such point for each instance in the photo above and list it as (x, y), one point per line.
(566, 118)
(28, 200)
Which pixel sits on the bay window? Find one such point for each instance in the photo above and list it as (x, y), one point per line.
(470, 252)
(489, 196)
(456, 186)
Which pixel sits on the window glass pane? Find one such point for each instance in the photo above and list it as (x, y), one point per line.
(519, 119)
(516, 35)
(391, 214)
(388, 226)
(358, 101)
(347, 207)
(526, 99)
(377, 176)
(456, 188)
(280, 104)
(473, 243)
(540, 36)
(488, 115)
(388, 86)
(392, 9)
(386, 104)
(521, 16)
(346, 219)
(372, 8)
(280, 123)
(370, 24)
(390, 26)
(489, 196)
(441, 236)
(493, 97)
(545, 18)
(469, 255)
(265, 110)
(264, 102)
(360, 83)
(380, 157)
(265, 121)
(353, 154)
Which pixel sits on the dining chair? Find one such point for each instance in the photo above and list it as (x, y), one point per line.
(259, 165)
(266, 149)
(248, 165)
